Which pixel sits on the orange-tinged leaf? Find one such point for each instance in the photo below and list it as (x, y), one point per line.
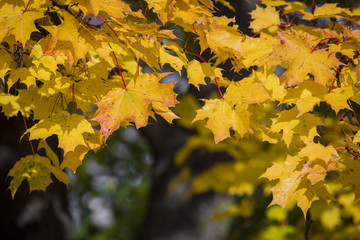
(37, 171)
(134, 103)
(222, 117)
(69, 129)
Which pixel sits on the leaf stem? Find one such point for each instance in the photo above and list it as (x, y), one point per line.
(74, 105)
(27, 5)
(32, 147)
(312, 6)
(117, 63)
(297, 15)
(340, 148)
(187, 39)
(336, 79)
(322, 41)
(194, 28)
(307, 225)
(138, 65)
(15, 89)
(104, 22)
(145, 14)
(219, 90)
(197, 55)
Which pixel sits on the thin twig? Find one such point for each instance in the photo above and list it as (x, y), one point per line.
(307, 225)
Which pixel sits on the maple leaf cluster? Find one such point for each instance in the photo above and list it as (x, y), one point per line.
(75, 69)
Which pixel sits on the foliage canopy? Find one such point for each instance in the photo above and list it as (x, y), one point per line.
(76, 70)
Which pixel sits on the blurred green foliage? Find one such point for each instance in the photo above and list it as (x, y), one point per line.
(108, 195)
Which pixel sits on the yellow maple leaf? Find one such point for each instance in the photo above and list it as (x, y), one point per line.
(69, 128)
(49, 153)
(306, 102)
(37, 171)
(224, 37)
(297, 182)
(73, 159)
(6, 62)
(222, 116)
(338, 98)
(315, 173)
(134, 103)
(350, 175)
(287, 7)
(113, 8)
(66, 39)
(264, 18)
(254, 51)
(315, 151)
(328, 10)
(271, 83)
(290, 123)
(9, 105)
(30, 101)
(302, 59)
(287, 172)
(22, 74)
(174, 61)
(197, 72)
(14, 21)
(246, 91)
